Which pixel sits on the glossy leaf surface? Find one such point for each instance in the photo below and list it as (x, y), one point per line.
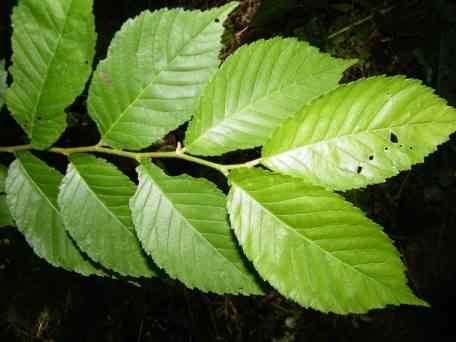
(94, 202)
(361, 133)
(313, 246)
(256, 89)
(53, 47)
(32, 189)
(181, 222)
(156, 66)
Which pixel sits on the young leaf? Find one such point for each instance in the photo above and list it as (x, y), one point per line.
(5, 216)
(255, 90)
(181, 222)
(156, 66)
(94, 202)
(3, 75)
(361, 133)
(31, 193)
(314, 247)
(53, 46)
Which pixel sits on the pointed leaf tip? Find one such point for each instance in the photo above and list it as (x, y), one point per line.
(156, 67)
(181, 222)
(93, 200)
(313, 246)
(256, 89)
(31, 192)
(53, 46)
(361, 133)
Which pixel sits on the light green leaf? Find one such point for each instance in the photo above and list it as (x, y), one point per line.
(361, 133)
(31, 193)
(5, 216)
(94, 202)
(181, 222)
(53, 47)
(3, 75)
(313, 246)
(256, 89)
(156, 66)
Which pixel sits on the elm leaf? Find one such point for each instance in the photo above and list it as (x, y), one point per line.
(53, 47)
(256, 89)
(94, 203)
(31, 194)
(156, 66)
(313, 246)
(361, 133)
(181, 222)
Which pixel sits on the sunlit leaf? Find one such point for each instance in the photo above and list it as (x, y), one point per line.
(156, 66)
(256, 89)
(361, 133)
(313, 246)
(31, 193)
(94, 202)
(53, 46)
(181, 222)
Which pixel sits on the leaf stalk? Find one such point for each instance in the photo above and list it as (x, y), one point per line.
(179, 153)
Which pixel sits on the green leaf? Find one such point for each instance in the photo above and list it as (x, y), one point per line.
(94, 202)
(313, 246)
(31, 193)
(3, 75)
(181, 223)
(3, 175)
(5, 216)
(256, 89)
(53, 47)
(156, 66)
(361, 133)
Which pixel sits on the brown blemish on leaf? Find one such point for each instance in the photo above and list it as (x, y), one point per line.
(104, 77)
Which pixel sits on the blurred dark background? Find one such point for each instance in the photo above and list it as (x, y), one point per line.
(417, 208)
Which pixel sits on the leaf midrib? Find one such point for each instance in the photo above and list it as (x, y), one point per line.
(311, 242)
(196, 231)
(155, 77)
(93, 193)
(364, 131)
(48, 67)
(239, 111)
(37, 187)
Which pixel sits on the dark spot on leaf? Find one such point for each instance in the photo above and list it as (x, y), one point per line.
(217, 20)
(386, 148)
(371, 157)
(359, 169)
(411, 148)
(393, 138)
(38, 118)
